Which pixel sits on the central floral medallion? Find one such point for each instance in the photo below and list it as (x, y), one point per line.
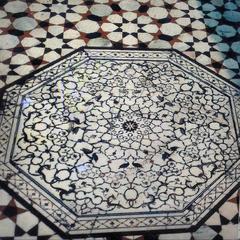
(130, 126)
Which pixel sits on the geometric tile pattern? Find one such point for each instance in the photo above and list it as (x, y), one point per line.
(13, 225)
(35, 33)
(180, 67)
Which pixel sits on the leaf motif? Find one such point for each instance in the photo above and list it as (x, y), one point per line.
(161, 99)
(182, 131)
(165, 155)
(87, 151)
(88, 103)
(76, 120)
(75, 130)
(173, 148)
(98, 97)
(124, 165)
(137, 165)
(182, 121)
(95, 157)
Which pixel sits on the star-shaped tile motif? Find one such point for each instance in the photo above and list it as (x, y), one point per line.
(11, 210)
(130, 28)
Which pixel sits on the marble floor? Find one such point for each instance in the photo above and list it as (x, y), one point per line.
(119, 119)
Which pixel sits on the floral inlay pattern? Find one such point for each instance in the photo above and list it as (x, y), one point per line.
(125, 136)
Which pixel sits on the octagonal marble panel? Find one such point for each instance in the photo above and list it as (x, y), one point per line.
(121, 140)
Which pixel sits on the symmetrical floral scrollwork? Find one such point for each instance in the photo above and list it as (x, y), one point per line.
(125, 136)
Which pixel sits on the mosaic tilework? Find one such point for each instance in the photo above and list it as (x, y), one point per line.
(34, 33)
(13, 222)
(125, 160)
(220, 226)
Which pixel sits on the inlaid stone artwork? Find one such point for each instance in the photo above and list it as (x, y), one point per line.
(118, 141)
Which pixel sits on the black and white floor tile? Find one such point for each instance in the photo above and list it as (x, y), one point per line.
(34, 33)
(119, 144)
(118, 141)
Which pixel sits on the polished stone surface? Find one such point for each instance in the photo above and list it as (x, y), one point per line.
(35, 33)
(139, 24)
(126, 138)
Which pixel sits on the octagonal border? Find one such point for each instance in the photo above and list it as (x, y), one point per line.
(176, 57)
(115, 56)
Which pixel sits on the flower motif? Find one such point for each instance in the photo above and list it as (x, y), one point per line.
(126, 134)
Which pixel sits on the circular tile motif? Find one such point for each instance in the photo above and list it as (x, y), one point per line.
(15, 6)
(129, 5)
(101, 10)
(8, 41)
(24, 23)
